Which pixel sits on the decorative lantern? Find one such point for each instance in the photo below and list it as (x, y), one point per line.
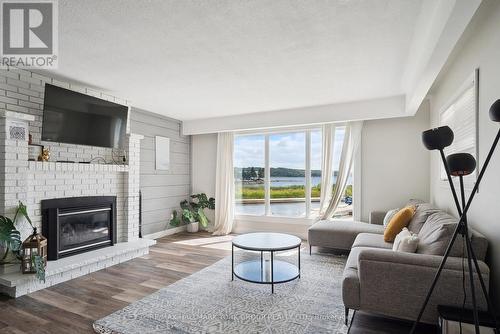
(34, 245)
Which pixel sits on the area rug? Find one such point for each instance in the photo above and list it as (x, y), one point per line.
(209, 302)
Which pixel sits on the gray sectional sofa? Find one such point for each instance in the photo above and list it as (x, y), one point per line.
(379, 280)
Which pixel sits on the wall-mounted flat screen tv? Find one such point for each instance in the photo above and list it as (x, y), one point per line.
(74, 118)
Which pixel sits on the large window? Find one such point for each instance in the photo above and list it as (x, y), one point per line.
(249, 175)
(287, 162)
(279, 174)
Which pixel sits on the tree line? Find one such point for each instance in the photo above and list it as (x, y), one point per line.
(255, 173)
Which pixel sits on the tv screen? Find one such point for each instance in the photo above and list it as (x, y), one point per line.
(74, 118)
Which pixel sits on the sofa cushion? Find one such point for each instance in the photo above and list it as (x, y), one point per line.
(388, 216)
(398, 222)
(405, 241)
(371, 240)
(339, 234)
(422, 212)
(436, 233)
(414, 202)
(479, 244)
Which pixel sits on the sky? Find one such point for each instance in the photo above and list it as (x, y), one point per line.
(285, 150)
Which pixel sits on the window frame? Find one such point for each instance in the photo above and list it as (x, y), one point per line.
(307, 219)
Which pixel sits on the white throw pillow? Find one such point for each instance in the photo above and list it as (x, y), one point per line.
(405, 242)
(389, 215)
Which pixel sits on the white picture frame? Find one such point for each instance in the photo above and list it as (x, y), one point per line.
(162, 153)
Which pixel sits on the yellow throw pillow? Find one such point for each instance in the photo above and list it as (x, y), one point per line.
(399, 221)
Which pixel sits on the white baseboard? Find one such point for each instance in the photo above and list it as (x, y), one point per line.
(164, 233)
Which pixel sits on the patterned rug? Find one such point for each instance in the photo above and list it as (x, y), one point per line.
(209, 302)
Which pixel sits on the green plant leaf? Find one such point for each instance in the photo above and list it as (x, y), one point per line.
(9, 235)
(188, 216)
(39, 265)
(211, 203)
(185, 205)
(201, 201)
(202, 218)
(23, 210)
(175, 221)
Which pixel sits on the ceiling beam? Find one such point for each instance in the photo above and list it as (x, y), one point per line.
(341, 112)
(439, 28)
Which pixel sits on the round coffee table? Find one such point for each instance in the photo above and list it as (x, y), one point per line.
(265, 271)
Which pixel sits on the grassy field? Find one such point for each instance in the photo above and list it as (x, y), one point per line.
(281, 192)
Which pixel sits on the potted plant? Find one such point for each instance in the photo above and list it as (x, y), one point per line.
(10, 242)
(188, 216)
(193, 213)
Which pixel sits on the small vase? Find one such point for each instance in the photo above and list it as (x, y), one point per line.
(192, 227)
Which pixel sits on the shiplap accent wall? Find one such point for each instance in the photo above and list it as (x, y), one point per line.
(162, 191)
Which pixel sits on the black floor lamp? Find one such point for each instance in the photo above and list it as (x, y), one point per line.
(460, 164)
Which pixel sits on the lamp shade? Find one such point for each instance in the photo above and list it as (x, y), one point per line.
(495, 111)
(438, 138)
(461, 164)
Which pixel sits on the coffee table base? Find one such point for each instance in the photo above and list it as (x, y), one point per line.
(266, 272)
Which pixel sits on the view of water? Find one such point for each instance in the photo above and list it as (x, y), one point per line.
(290, 209)
(277, 209)
(280, 181)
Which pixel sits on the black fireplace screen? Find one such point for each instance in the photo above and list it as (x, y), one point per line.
(84, 227)
(78, 224)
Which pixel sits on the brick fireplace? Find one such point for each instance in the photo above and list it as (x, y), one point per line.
(33, 182)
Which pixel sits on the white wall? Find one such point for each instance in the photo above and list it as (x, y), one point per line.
(394, 162)
(479, 47)
(203, 161)
(394, 169)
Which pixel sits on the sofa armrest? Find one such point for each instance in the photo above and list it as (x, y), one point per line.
(396, 283)
(377, 217)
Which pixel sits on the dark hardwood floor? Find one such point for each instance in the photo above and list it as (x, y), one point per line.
(71, 307)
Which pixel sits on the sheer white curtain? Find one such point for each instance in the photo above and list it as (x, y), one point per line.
(352, 139)
(328, 131)
(224, 184)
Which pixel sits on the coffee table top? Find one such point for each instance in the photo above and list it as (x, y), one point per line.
(266, 241)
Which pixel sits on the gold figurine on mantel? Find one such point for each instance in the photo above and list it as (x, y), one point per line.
(45, 155)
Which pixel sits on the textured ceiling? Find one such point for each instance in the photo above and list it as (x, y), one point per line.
(207, 58)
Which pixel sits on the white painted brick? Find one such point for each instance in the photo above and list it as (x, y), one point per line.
(19, 71)
(28, 92)
(17, 83)
(10, 100)
(37, 88)
(60, 83)
(10, 74)
(30, 80)
(41, 77)
(30, 105)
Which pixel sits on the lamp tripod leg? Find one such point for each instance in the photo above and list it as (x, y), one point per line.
(491, 309)
(473, 290)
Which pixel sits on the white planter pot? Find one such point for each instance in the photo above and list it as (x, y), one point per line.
(192, 227)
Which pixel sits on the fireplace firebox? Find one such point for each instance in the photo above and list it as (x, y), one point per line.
(78, 224)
